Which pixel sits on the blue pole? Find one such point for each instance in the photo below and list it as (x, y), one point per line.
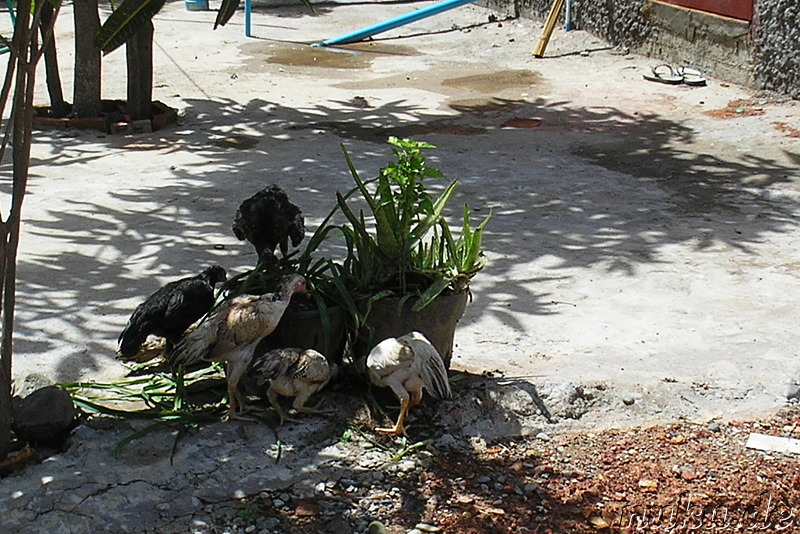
(569, 26)
(247, 12)
(396, 22)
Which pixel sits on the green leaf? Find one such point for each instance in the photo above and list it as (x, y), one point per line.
(141, 433)
(431, 293)
(419, 231)
(125, 21)
(357, 224)
(226, 11)
(229, 7)
(360, 184)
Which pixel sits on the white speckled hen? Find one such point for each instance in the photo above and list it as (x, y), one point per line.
(231, 332)
(407, 364)
(168, 312)
(291, 372)
(269, 220)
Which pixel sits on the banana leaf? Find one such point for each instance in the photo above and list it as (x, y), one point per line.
(125, 21)
(226, 11)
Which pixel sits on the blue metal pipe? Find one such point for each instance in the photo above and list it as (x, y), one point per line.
(569, 24)
(247, 14)
(396, 22)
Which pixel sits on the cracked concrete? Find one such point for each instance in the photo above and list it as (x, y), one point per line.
(642, 256)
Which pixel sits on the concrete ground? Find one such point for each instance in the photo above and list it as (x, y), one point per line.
(644, 242)
(641, 266)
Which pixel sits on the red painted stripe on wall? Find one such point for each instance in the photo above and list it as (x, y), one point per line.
(737, 9)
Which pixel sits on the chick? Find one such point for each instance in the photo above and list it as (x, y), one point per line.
(291, 372)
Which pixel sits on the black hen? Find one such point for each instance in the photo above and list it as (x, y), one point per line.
(170, 311)
(268, 220)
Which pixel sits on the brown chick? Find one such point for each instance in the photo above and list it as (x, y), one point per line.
(231, 332)
(294, 373)
(407, 364)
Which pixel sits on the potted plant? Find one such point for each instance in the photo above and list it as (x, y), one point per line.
(406, 269)
(317, 320)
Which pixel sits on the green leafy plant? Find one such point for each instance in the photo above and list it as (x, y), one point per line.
(404, 245)
(163, 396)
(324, 277)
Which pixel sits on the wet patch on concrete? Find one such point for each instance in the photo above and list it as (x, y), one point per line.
(356, 56)
(521, 123)
(482, 106)
(236, 141)
(495, 82)
(380, 133)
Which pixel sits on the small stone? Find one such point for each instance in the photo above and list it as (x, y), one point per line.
(44, 414)
(250, 529)
(543, 436)
(714, 427)
(793, 392)
(270, 523)
(278, 503)
(320, 488)
(483, 480)
(627, 400)
(406, 465)
(31, 383)
(447, 441)
(425, 527)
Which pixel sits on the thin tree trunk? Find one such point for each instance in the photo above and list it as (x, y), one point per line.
(139, 55)
(86, 97)
(21, 124)
(58, 107)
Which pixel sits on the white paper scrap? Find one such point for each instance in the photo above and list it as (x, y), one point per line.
(763, 442)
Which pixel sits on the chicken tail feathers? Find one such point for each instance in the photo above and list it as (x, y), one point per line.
(191, 349)
(433, 372)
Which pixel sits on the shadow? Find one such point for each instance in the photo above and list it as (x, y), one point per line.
(625, 187)
(459, 469)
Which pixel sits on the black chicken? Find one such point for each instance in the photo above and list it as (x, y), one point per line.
(170, 311)
(269, 220)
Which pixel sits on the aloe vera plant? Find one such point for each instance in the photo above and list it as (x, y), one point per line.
(411, 249)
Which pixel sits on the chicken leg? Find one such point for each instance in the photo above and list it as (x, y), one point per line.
(405, 403)
(236, 368)
(298, 405)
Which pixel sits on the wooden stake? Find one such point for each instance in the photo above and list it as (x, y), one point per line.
(549, 25)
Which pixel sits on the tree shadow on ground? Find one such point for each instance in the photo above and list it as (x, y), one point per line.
(574, 186)
(460, 469)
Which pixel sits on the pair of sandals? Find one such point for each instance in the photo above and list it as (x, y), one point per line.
(685, 74)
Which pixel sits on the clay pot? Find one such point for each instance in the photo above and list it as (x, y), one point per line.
(303, 329)
(437, 321)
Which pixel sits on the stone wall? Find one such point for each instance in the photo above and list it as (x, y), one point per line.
(764, 54)
(776, 50)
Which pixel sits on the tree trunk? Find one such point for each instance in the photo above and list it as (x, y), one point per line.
(86, 97)
(21, 125)
(139, 55)
(58, 107)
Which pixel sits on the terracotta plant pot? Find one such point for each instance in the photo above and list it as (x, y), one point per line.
(437, 322)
